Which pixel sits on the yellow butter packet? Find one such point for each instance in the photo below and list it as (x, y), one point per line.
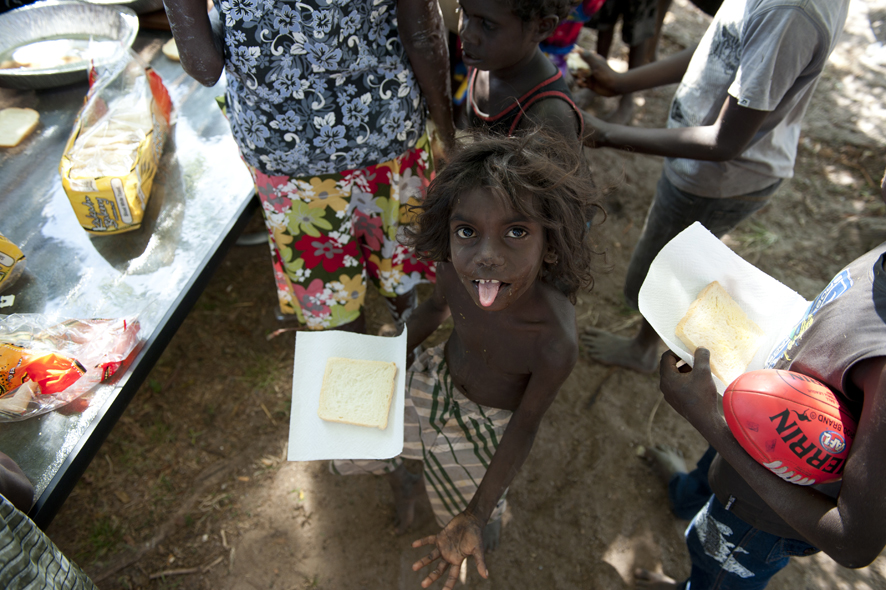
(12, 263)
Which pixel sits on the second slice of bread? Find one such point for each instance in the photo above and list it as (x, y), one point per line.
(16, 124)
(357, 392)
(716, 322)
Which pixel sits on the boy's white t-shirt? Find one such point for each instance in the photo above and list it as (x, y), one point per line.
(768, 55)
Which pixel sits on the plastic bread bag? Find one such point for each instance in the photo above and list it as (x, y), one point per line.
(112, 155)
(46, 364)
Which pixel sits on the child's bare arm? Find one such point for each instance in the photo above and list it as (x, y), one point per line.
(557, 360)
(202, 55)
(724, 139)
(850, 529)
(424, 38)
(426, 318)
(463, 536)
(607, 82)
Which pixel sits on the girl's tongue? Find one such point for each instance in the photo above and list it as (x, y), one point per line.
(488, 291)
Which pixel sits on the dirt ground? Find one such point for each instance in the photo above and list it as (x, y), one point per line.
(191, 489)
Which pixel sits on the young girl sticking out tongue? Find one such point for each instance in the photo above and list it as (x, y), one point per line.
(507, 224)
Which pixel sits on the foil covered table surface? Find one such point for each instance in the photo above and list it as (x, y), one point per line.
(202, 194)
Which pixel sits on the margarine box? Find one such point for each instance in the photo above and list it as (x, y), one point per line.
(108, 166)
(12, 263)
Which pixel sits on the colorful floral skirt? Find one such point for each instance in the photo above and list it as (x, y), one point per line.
(330, 233)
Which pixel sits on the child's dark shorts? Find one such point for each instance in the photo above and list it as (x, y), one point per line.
(638, 19)
(672, 211)
(729, 554)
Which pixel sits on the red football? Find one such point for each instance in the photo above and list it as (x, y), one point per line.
(791, 424)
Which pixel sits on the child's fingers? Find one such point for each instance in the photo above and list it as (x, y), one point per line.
(437, 573)
(669, 362)
(480, 557)
(450, 581)
(595, 60)
(431, 540)
(426, 560)
(703, 359)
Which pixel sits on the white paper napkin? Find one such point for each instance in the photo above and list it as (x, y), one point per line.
(312, 439)
(687, 264)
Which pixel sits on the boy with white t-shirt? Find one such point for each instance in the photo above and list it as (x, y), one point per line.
(732, 131)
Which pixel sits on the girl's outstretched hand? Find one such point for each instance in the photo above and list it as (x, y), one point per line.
(463, 536)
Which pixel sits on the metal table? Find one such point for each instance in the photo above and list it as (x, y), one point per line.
(201, 199)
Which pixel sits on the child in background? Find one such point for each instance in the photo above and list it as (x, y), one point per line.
(754, 521)
(512, 84)
(565, 36)
(731, 136)
(506, 223)
(638, 22)
(840, 341)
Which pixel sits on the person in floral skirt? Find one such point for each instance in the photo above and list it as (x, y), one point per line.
(327, 103)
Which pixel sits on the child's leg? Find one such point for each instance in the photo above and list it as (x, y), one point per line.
(603, 21)
(671, 212)
(688, 491)
(406, 484)
(638, 32)
(401, 307)
(661, 10)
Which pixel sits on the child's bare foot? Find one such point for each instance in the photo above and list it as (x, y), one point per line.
(653, 581)
(389, 330)
(629, 353)
(407, 488)
(665, 460)
(624, 114)
(492, 536)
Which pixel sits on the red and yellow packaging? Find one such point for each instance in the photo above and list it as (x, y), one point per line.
(51, 372)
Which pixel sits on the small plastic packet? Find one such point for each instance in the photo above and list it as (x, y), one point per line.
(12, 263)
(110, 160)
(46, 364)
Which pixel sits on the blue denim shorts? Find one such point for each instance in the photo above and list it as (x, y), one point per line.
(729, 554)
(674, 210)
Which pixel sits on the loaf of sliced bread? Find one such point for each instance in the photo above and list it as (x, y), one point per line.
(716, 322)
(357, 392)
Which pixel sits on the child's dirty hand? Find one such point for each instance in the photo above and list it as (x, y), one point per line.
(692, 393)
(602, 79)
(462, 537)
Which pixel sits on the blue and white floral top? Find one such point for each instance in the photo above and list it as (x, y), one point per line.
(318, 86)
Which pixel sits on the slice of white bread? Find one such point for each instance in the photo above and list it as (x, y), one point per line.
(170, 50)
(716, 322)
(16, 124)
(357, 392)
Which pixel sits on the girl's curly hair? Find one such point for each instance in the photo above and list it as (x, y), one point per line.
(551, 172)
(530, 9)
